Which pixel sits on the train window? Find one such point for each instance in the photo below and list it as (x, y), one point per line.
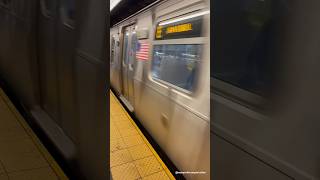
(245, 35)
(70, 9)
(176, 64)
(68, 13)
(5, 3)
(134, 46)
(125, 48)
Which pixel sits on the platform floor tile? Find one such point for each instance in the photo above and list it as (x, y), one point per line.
(148, 166)
(22, 155)
(117, 144)
(120, 157)
(4, 177)
(140, 151)
(131, 155)
(34, 174)
(157, 176)
(126, 171)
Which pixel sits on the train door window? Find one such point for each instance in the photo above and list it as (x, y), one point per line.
(177, 51)
(112, 55)
(125, 47)
(134, 44)
(68, 13)
(245, 40)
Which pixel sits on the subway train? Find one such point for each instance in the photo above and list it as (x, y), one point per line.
(265, 90)
(56, 71)
(160, 70)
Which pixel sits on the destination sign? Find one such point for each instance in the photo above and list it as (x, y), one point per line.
(182, 29)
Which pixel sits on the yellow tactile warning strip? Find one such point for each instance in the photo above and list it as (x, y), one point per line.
(22, 155)
(131, 155)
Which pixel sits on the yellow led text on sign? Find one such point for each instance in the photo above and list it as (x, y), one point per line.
(159, 32)
(179, 28)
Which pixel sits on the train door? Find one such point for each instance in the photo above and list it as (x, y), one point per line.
(128, 61)
(115, 64)
(47, 58)
(66, 37)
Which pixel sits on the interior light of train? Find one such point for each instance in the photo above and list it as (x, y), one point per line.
(185, 18)
(114, 3)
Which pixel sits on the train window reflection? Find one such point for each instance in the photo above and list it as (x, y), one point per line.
(246, 34)
(68, 13)
(176, 64)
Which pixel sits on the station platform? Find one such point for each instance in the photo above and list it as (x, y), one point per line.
(22, 155)
(131, 154)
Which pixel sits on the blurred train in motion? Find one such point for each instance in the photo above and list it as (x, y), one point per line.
(48, 61)
(265, 94)
(159, 68)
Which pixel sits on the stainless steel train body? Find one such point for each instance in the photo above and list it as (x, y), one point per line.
(159, 67)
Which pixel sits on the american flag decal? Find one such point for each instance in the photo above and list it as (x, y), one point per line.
(142, 51)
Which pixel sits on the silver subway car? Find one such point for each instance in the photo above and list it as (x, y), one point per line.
(160, 69)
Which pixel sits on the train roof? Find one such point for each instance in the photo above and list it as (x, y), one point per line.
(126, 8)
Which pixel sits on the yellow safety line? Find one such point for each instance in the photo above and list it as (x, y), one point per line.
(146, 141)
(53, 164)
